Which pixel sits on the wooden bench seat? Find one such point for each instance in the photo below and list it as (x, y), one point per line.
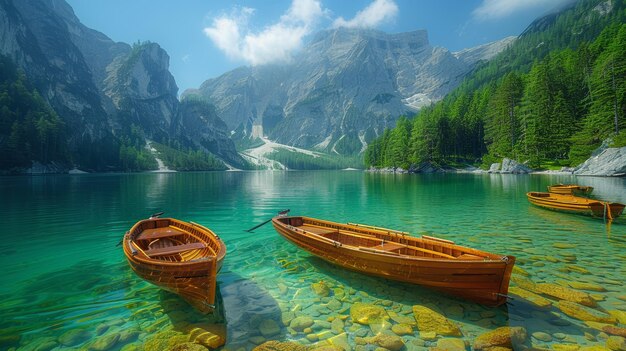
(170, 250)
(157, 233)
(388, 246)
(317, 230)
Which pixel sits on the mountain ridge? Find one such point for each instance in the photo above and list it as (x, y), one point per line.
(111, 97)
(341, 90)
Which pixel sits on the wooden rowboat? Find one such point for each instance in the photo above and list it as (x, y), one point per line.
(178, 256)
(570, 189)
(435, 263)
(576, 204)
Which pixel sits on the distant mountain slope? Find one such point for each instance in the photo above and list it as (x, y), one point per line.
(111, 98)
(342, 90)
(548, 100)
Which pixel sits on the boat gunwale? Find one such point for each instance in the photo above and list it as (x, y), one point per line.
(145, 259)
(401, 257)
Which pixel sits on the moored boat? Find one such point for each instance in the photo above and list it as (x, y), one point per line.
(576, 204)
(431, 262)
(570, 189)
(181, 257)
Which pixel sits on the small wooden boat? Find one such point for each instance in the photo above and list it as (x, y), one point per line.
(576, 204)
(570, 189)
(180, 257)
(435, 263)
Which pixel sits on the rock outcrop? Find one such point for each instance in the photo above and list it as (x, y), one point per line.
(608, 162)
(103, 90)
(512, 166)
(342, 90)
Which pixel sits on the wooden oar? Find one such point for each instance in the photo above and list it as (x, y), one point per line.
(281, 213)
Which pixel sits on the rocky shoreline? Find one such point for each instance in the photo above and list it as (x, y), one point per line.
(608, 162)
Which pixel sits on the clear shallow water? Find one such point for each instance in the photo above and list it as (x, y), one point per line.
(65, 284)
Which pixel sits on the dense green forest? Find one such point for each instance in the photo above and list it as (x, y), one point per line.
(188, 160)
(31, 130)
(29, 127)
(549, 100)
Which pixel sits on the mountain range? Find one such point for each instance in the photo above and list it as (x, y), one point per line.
(114, 99)
(102, 90)
(342, 89)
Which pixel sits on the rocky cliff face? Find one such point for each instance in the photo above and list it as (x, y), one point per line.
(342, 90)
(101, 88)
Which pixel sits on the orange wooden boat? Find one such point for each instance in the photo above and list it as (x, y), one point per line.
(570, 189)
(435, 263)
(180, 257)
(576, 204)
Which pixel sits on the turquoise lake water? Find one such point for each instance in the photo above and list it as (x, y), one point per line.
(65, 284)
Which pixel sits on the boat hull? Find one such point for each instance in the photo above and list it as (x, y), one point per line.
(191, 274)
(485, 281)
(575, 204)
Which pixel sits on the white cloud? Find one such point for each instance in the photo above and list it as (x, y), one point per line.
(275, 43)
(498, 9)
(376, 13)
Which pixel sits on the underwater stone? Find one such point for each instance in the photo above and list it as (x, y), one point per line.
(362, 332)
(613, 330)
(429, 319)
(402, 329)
(46, 345)
(320, 289)
(594, 348)
(541, 336)
(503, 336)
(521, 271)
(584, 286)
(402, 319)
(257, 340)
(280, 346)
(73, 337)
(565, 347)
(189, 346)
(564, 245)
(321, 325)
(523, 282)
(585, 313)
(532, 298)
(620, 315)
(328, 348)
(269, 327)
(339, 293)
(312, 337)
(334, 305)
(367, 314)
(567, 294)
(451, 344)
(389, 342)
(286, 317)
(283, 288)
(127, 335)
(616, 343)
(337, 326)
(428, 335)
(301, 323)
(103, 343)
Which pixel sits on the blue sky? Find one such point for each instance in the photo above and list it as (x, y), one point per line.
(205, 38)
